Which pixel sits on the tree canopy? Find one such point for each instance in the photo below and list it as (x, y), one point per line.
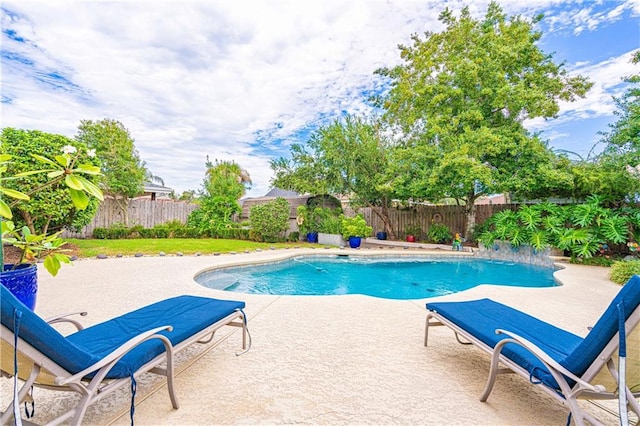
(123, 172)
(458, 103)
(348, 157)
(613, 174)
(224, 183)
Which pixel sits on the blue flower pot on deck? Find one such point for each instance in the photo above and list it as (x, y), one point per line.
(22, 282)
(354, 242)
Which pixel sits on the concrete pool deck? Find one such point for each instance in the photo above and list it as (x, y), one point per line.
(317, 359)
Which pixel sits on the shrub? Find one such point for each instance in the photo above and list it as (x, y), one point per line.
(438, 233)
(622, 271)
(355, 227)
(269, 221)
(100, 233)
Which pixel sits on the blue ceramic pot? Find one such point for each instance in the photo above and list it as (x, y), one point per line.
(312, 237)
(381, 235)
(22, 282)
(354, 242)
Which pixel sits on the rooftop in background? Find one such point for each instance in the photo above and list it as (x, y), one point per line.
(154, 191)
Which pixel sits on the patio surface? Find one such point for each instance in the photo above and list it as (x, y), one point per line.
(317, 359)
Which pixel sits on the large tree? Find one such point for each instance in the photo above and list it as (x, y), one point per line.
(458, 102)
(621, 154)
(347, 157)
(607, 173)
(123, 171)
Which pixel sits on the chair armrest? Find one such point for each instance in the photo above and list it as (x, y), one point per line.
(545, 358)
(63, 319)
(115, 355)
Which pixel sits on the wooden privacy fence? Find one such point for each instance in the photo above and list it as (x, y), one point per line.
(144, 212)
(423, 216)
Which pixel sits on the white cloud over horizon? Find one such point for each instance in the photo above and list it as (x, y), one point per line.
(241, 80)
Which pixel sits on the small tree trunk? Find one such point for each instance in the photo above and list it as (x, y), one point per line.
(28, 220)
(470, 211)
(123, 205)
(383, 213)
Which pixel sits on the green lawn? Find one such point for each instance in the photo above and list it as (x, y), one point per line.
(170, 246)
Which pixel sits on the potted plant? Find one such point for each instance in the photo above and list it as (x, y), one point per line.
(307, 224)
(21, 277)
(413, 233)
(354, 229)
(329, 225)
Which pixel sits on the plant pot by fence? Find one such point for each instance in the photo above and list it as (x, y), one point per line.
(411, 238)
(22, 282)
(381, 235)
(312, 237)
(354, 242)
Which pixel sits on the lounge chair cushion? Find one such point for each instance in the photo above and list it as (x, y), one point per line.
(605, 328)
(186, 314)
(481, 318)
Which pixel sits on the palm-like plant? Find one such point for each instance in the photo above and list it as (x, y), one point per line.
(581, 229)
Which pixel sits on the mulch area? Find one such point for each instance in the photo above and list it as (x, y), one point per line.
(12, 254)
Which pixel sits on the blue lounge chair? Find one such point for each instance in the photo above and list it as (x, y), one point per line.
(563, 364)
(97, 360)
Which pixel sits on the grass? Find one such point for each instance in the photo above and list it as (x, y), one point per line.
(170, 246)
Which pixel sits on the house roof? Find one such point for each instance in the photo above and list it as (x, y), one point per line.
(158, 189)
(278, 192)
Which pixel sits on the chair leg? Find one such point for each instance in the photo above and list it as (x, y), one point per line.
(426, 332)
(170, 376)
(493, 373)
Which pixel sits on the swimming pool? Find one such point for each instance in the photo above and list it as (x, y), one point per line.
(386, 277)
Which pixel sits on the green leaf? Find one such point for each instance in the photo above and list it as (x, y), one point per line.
(45, 160)
(73, 182)
(14, 194)
(52, 264)
(63, 160)
(539, 240)
(4, 157)
(79, 199)
(90, 188)
(5, 211)
(88, 169)
(31, 172)
(54, 174)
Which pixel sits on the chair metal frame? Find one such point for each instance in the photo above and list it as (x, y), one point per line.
(97, 387)
(568, 395)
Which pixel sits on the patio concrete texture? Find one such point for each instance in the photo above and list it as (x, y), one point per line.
(317, 359)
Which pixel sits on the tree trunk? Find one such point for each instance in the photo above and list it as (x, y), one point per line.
(28, 220)
(470, 211)
(123, 205)
(383, 213)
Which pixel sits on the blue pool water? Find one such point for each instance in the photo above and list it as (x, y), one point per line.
(390, 278)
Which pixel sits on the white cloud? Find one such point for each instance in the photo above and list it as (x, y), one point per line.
(231, 80)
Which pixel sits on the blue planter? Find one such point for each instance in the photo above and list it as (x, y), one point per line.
(312, 237)
(354, 242)
(381, 235)
(22, 282)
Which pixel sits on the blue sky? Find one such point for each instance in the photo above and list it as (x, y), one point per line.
(243, 80)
